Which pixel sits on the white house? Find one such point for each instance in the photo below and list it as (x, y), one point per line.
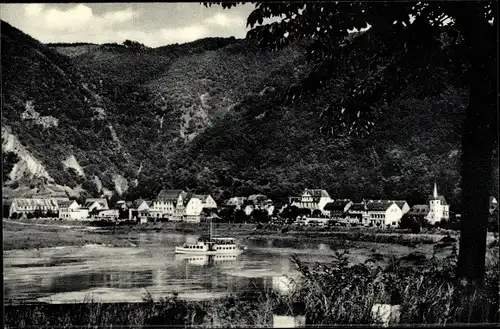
(207, 201)
(383, 213)
(139, 209)
(493, 204)
(237, 202)
(439, 210)
(259, 201)
(108, 214)
(96, 204)
(167, 203)
(192, 208)
(71, 210)
(313, 199)
(403, 205)
(23, 206)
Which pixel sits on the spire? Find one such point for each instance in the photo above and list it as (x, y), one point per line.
(435, 194)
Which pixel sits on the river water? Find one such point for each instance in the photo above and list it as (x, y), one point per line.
(127, 274)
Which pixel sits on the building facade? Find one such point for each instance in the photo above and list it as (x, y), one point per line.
(193, 207)
(21, 207)
(71, 210)
(313, 199)
(384, 213)
(166, 203)
(439, 210)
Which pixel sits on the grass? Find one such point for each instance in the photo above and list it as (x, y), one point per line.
(39, 235)
(17, 236)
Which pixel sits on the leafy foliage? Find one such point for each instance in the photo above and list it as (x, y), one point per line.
(340, 293)
(9, 159)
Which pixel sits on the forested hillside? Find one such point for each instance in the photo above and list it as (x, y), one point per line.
(208, 116)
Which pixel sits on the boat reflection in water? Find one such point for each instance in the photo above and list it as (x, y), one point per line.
(204, 260)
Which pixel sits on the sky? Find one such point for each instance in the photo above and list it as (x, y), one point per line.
(153, 24)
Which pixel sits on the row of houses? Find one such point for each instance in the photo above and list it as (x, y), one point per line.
(63, 208)
(179, 205)
(367, 212)
(380, 213)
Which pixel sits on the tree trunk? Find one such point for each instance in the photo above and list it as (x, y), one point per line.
(477, 147)
(478, 139)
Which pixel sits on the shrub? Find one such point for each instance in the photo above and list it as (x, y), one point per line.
(415, 228)
(337, 293)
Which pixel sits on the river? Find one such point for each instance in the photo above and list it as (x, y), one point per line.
(111, 274)
(127, 274)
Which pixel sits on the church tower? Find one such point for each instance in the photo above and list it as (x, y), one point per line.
(439, 210)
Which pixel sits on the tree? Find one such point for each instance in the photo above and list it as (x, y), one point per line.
(317, 213)
(226, 213)
(9, 159)
(134, 45)
(290, 212)
(260, 216)
(411, 33)
(240, 216)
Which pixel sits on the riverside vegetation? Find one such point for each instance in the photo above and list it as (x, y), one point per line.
(334, 293)
(50, 233)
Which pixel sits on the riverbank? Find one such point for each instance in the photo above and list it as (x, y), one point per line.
(42, 233)
(20, 236)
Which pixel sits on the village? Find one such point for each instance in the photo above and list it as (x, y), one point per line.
(314, 207)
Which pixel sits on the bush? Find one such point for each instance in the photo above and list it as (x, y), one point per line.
(415, 228)
(338, 293)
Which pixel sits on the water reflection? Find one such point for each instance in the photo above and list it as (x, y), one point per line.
(83, 281)
(204, 260)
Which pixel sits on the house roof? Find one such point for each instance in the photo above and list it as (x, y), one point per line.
(187, 196)
(237, 200)
(90, 201)
(257, 198)
(358, 206)
(400, 203)
(337, 205)
(65, 203)
(380, 205)
(419, 209)
(317, 193)
(169, 195)
(138, 202)
(202, 197)
(35, 202)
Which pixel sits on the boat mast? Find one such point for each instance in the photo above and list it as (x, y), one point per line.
(211, 228)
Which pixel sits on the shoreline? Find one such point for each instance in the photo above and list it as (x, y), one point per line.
(43, 233)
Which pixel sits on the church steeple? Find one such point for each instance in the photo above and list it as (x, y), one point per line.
(435, 194)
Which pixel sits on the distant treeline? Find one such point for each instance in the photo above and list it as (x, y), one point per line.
(75, 44)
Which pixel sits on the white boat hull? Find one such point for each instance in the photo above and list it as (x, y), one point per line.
(187, 251)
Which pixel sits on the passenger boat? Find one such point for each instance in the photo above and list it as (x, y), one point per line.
(209, 245)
